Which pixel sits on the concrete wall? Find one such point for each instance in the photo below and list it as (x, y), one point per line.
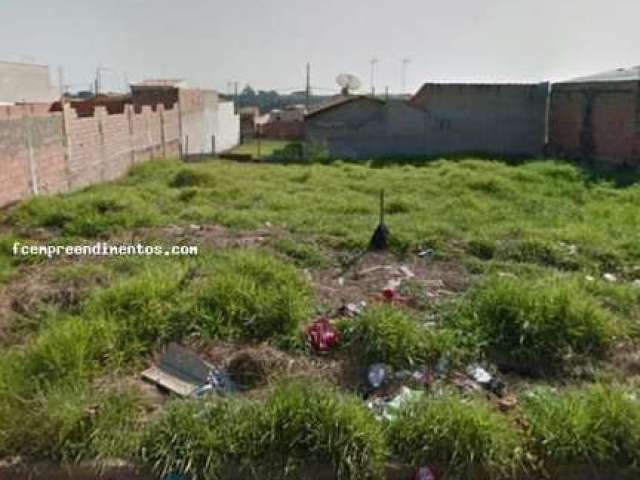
(228, 133)
(439, 120)
(493, 119)
(44, 152)
(207, 123)
(20, 82)
(598, 121)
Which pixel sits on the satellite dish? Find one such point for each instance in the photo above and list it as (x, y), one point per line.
(348, 82)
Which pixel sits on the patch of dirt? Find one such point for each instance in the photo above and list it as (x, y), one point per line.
(210, 235)
(34, 289)
(375, 271)
(625, 361)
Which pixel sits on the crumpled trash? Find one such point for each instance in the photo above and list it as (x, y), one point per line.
(610, 277)
(388, 409)
(378, 374)
(391, 295)
(427, 253)
(507, 403)
(352, 309)
(479, 374)
(217, 381)
(322, 335)
(466, 385)
(442, 367)
(425, 473)
(405, 396)
(422, 376)
(488, 381)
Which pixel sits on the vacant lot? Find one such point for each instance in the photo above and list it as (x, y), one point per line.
(533, 273)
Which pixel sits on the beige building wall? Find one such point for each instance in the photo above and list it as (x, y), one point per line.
(22, 82)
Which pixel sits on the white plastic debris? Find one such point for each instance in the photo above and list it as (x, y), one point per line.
(610, 277)
(479, 374)
(407, 272)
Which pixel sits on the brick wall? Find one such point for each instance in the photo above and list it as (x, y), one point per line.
(597, 121)
(43, 152)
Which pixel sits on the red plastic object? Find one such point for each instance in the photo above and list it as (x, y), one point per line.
(323, 336)
(389, 294)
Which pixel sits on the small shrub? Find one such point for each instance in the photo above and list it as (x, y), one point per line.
(251, 295)
(70, 422)
(397, 206)
(519, 322)
(537, 252)
(296, 425)
(597, 425)
(483, 249)
(67, 348)
(460, 436)
(143, 308)
(192, 178)
(389, 335)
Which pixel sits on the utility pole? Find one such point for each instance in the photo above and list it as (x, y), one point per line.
(405, 64)
(373, 68)
(61, 80)
(308, 88)
(98, 84)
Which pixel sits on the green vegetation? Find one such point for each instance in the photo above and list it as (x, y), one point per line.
(521, 251)
(596, 425)
(532, 213)
(461, 436)
(390, 335)
(519, 323)
(264, 149)
(295, 426)
(251, 296)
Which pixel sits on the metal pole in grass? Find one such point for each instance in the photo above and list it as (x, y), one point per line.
(259, 146)
(380, 238)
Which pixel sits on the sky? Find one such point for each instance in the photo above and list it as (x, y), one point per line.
(267, 43)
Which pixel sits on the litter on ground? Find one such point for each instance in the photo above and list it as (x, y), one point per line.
(179, 371)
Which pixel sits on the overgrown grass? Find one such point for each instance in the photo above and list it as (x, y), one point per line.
(393, 336)
(595, 425)
(73, 422)
(534, 212)
(461, 436)
(519, 322)
(544, 223)
(298, 425)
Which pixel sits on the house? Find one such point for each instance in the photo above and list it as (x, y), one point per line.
(284, 124)
(25, 83)
(440, 119)
(597, 118)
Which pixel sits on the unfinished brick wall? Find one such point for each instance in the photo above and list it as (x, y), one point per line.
(598, 121)
(44, 152)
